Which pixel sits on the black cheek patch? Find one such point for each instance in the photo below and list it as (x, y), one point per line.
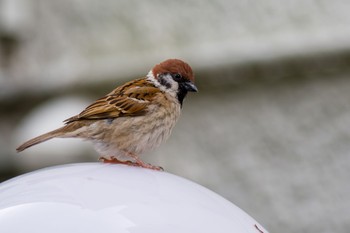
(164, 82)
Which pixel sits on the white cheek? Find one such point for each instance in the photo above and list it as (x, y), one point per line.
(174, 86)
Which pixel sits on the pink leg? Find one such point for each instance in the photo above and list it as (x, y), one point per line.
(137, 163)
(140, 163)
(114, 160)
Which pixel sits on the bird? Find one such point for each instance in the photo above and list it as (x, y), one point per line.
(133, 118)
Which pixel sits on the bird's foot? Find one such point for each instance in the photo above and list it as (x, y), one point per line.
(138, 163)
(114, 160)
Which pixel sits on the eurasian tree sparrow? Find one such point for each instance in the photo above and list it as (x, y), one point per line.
(135, 117)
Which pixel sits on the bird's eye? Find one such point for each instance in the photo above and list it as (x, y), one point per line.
(177, 77)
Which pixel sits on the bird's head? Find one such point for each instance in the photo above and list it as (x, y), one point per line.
(174, 76)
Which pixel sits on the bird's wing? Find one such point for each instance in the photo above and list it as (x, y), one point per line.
(131, 99)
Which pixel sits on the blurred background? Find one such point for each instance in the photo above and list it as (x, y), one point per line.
(269, 129)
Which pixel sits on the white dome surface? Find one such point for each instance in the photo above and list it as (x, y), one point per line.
(97, 197)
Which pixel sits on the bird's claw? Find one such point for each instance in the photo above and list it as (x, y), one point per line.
(138, 163)
(114, 160)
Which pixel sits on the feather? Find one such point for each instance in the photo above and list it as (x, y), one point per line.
(131, 99)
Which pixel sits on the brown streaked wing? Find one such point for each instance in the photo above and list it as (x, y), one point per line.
(127, 100)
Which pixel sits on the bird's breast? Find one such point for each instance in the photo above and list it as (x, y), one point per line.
(137, 134)
(160, 124)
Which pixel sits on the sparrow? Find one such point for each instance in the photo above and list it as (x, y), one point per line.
(132, 119)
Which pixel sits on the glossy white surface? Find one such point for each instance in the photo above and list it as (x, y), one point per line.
(96, 197)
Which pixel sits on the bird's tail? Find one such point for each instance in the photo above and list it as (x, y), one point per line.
(60, 132)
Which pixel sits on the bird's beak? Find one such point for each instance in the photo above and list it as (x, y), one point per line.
(189, 86)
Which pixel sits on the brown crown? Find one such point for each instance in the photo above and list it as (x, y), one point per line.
(174, 66)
